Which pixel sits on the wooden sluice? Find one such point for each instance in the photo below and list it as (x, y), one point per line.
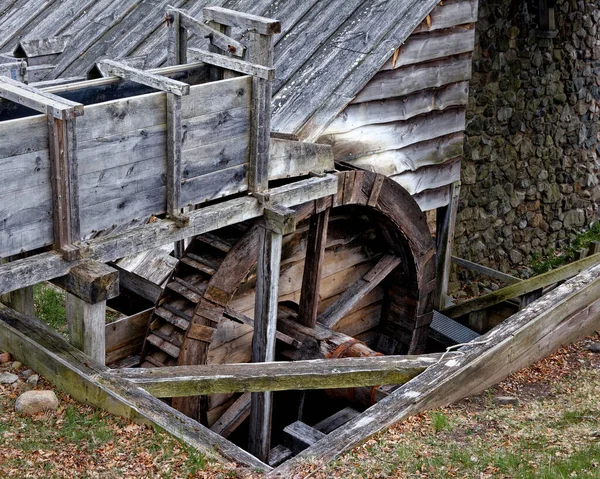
(296, 279)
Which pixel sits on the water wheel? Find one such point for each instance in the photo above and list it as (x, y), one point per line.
(375, 293)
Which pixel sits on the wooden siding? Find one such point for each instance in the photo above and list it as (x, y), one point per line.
(408, 121)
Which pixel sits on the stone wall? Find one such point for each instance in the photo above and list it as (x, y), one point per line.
(530, 172)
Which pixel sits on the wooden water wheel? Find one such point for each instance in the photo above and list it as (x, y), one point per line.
(372, 250)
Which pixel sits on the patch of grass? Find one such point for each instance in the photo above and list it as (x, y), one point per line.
(440, 421)
(555, 259)
(49, 303)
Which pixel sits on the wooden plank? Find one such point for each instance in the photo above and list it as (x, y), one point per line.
(65, 182)
(235, 415)
(336, 420)
(45, 266)
(231, 18)
(429, 177)
(125, 336)
(399, 109)
(566, 314)
(524, 287)
(445, 226)
(263, 340)
(289, 158)
(60, 108)
(278, 376)
(433, 46)
(152, 80)
(313, 265)
(432, 199)
(138, 284)
(371, 139)
(358, 290)
(450, 13)
(298, 436)
(46, 351)
(412, 157)
(409, 79)
(480, 269)
(247, 68)
(174, 146)
(177, 39)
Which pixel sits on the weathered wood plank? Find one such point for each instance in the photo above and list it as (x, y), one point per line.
(91, 281)
(43, 46)
(262, 25)
(492, 273)
(412, 157)
(125, 336)
(137, 284)
(358, 290)
(521, 288)
(432, 199)
(247, 68)
(433, 46)
(313, 266)
(294, 158)
(152, 80)
(237, 413)
(450, 13)
(86, 323)
(278, 376)
(371, 139)
(409, 79)
(429, 177)
(399, 109)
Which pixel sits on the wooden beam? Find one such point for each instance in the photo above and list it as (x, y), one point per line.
(39, 100)
(298, 436)
(243, 319)
(492, 273)
(46, 266)
(263, 339)
(180, 381)
(86, 324)
(313, 265)
(218, 60)
(524, 287)
(177, 39)
(446, 221)
(237, 413)
(174, 146)
(137, 284)
(357, 291)
(48, 353)
(202, 30)
(288, 158)
(65, 183)
(232, 18)
(158, 82)
(91, 281)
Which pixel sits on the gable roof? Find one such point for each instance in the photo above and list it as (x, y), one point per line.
(328, 49)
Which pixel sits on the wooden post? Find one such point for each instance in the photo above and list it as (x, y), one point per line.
(313, 263)
(446, 221)
(278, 221)
(89, 285)
(177, 39)
(20, 300)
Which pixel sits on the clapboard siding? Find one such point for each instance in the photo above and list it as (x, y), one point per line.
(400, 109)
(413, 157)
(433, 46)
(129, 137)
(412, 78)
(377, 138)
(408, 122)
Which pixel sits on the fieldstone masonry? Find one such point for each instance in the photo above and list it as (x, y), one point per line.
(532, 154)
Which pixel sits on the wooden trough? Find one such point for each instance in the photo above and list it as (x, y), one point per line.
(293, 275)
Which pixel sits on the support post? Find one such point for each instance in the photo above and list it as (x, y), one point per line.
(446, 221)
(313, 264)
(177, 39)
(278, 221)
(89, 285)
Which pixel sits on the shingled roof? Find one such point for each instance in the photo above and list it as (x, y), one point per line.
(327, 51)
